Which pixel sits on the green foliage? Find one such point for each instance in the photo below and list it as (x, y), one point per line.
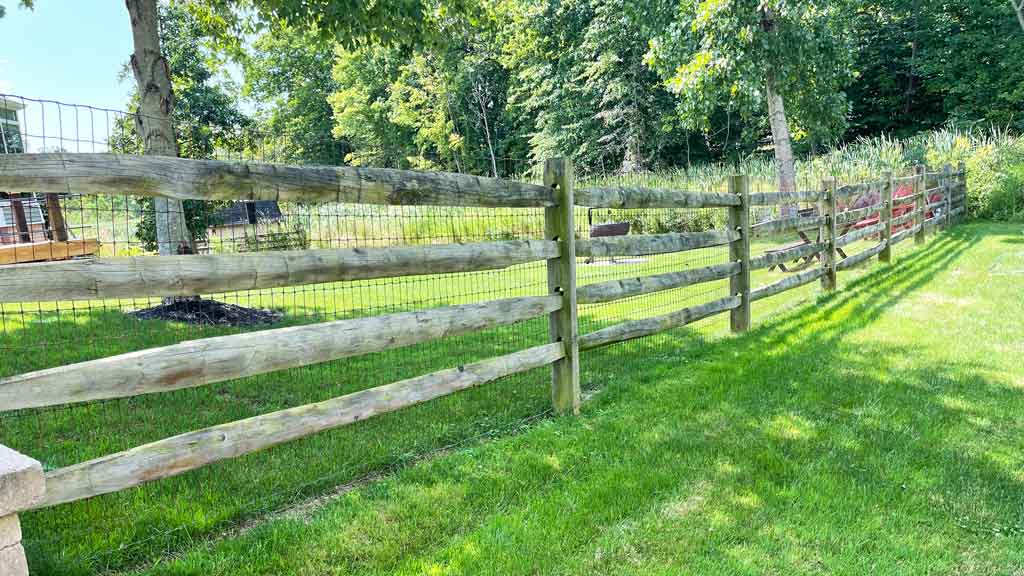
(923, 63)
(995, 182)
(197, 217)
(207, 120)
(350, 23)
(876, 430)
(295, 236)
(22, 3)
(719, 52)
(288, 76)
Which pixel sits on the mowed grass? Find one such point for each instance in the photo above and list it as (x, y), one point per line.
(876, 431)
(167, 518)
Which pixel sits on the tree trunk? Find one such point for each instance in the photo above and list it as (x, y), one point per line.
(153, 121)
(487, 131)
(1020, 11)
(784, 164)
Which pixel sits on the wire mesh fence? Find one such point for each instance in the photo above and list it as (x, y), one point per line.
(142, 524)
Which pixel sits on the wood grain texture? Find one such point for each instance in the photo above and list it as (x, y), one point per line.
(787, 283)
(851, 216)
(885, 218)
(638, 197)
(627, 287)
(182, 179)
(784, 257)
(856, 189)
(642, 245)
(739, 252)
(787, 224)
(192, 450)
(199, 362)
(48, 250)
(855, 235)
(863, 256)
(778, 198)
(827, 208)
(919, 201)
(904, 234)
(648, 326)
(563, 323)
(168, 276)
(899, 220)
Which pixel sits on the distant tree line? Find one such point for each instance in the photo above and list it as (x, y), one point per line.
(616, 85)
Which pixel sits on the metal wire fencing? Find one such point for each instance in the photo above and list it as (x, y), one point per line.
(120, 530)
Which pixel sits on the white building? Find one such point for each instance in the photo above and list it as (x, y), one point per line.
(10, 127)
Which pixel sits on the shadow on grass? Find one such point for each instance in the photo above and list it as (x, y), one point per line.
(806, 446)
(141, 524)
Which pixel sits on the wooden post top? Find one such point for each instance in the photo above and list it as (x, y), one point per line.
(21, 481)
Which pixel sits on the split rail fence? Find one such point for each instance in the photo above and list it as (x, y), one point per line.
(936, 199)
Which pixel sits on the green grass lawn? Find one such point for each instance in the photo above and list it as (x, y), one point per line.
(877, 431)
(654, 376)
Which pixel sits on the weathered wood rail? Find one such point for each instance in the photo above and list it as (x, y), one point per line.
(161, 276)
(210, 360)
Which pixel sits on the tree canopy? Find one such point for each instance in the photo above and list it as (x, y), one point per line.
(484, 85)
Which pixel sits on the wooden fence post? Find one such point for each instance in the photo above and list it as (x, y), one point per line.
(58, 228)
(20, 221)
(739, 251)
(961, 191)
(886, 216)
(559, 226)
(920, 186)
(947, 193)
(828, 256)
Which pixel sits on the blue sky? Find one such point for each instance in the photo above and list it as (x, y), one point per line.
(66, 50)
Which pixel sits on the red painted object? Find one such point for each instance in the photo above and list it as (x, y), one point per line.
(898, 209)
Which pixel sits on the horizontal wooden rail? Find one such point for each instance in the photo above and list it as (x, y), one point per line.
(47, 250)
(957, 211)
(904, 234)
(934, 205)
(786, 283)
(178, 454)
(855, 235)
(163, 276)
(627, 287)
(181, 178)
(648, 326)
(903, 219)
(641, 245)
(777, 198)
(198, 362)
(774, 258)
(933, 222)
(638, 197)
(855, 189)
(863, 256)
(786, 224)
(850, 216)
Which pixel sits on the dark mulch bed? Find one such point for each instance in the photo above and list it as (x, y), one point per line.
(208, 312)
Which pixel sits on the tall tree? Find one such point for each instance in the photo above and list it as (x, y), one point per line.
(288, 76)
(582, 82)
(205, 116)
(154, 124)
(788, 58)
